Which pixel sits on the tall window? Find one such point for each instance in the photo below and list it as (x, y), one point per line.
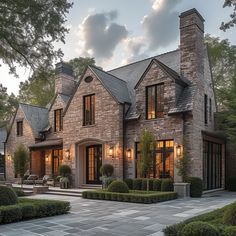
(205, 109)
(57, 157)
(19, 128)
(154, 101)
(163, 160)
(58, 122)
(210, 109)
(89, 110)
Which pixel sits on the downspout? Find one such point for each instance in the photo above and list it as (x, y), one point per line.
(124, 143)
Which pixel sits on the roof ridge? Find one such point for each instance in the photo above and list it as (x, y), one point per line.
(21, 103)
(153, 57)
(109, 74)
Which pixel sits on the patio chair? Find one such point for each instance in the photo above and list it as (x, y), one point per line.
(31, 179)
(42, 181)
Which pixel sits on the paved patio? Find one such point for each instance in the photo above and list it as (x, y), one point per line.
(91, 217)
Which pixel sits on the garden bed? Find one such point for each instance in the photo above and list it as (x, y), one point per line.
(132, 196)
(27, 209)
(214, 218)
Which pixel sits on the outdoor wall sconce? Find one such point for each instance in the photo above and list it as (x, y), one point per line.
(128, 153)
(178, 150)
(67, 152)
(8, 157)
(111, 152)
(46, 158)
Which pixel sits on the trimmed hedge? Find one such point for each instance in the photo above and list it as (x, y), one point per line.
(157, 184)
(230, 215)
(30, 208)
(118, 186)
(195, 186)
(129, 183)
(230, 231)
(198, 228)
(231, 183)
(136, 197)
(137, 184)
(7, 196)
(167, 185)
(19, 192)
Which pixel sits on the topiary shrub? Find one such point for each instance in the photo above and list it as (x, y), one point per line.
(230, 231)
(167, 185)
(137, 184)
(195, 186)
(118, 186)
(64, 170)
(107, 170)
(129, 183)
(230, 215)
(231, 183)
(7, 196)
(157, 184)
(199, 228)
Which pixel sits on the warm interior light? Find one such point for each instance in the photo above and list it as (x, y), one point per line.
(111, 152)
(129, 153)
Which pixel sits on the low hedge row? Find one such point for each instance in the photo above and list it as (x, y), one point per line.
(29, 208)
(135, 197)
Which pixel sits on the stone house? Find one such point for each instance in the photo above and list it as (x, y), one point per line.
(99, 118)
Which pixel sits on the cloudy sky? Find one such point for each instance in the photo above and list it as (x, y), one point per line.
(116, 32)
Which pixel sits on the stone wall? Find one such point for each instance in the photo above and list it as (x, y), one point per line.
(107, 130)
(13, 141)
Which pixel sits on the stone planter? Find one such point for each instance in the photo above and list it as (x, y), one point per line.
(183, 189)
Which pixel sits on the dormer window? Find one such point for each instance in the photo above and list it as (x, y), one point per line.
(58, 121)
(89, 110)
(19, 128)
(154, 101)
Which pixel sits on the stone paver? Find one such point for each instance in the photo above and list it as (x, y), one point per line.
(107, 218)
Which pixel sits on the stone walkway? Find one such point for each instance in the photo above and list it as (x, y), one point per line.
(103, 218)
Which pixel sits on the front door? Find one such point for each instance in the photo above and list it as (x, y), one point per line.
(93, 164)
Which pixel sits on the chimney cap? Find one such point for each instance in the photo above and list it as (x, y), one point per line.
(190, 12)
(64, 68)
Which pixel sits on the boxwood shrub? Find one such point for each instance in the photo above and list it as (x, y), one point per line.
(137, 184)
(230, 215)
(167, 185)
(157, 185)
(31, 208)
(136, 197)
(118, 186)
(195, 186)
(198, 228)
(7, 196)
(129, 183)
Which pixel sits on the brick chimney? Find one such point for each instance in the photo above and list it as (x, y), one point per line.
(192, 45)
(65, 81)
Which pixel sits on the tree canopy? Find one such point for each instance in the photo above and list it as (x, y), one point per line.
(28, 29)
(232, 21)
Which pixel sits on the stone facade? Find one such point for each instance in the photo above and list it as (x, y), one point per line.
(120, 109)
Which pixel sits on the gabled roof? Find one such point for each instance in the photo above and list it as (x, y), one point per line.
(36, 116)
(64, 98)
(115, 86)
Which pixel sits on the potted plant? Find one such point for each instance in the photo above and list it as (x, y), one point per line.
(106, 171)
(64, 172)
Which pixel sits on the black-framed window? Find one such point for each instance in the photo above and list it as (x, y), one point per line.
(163, 160)
(57, 157)
(89, 110)
(210, 109)
(58, 120)
(19, 128)
(205, 109)
(154, 101)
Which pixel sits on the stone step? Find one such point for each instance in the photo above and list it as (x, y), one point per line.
(69, 194)
(91, 186)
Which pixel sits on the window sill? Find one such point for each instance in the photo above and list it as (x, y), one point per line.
(88, 126)
(156, 119)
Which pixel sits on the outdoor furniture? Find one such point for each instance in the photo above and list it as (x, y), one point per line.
(42, 181)
(31, 179)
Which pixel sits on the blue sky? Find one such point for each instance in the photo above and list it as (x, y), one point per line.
(117, 32)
